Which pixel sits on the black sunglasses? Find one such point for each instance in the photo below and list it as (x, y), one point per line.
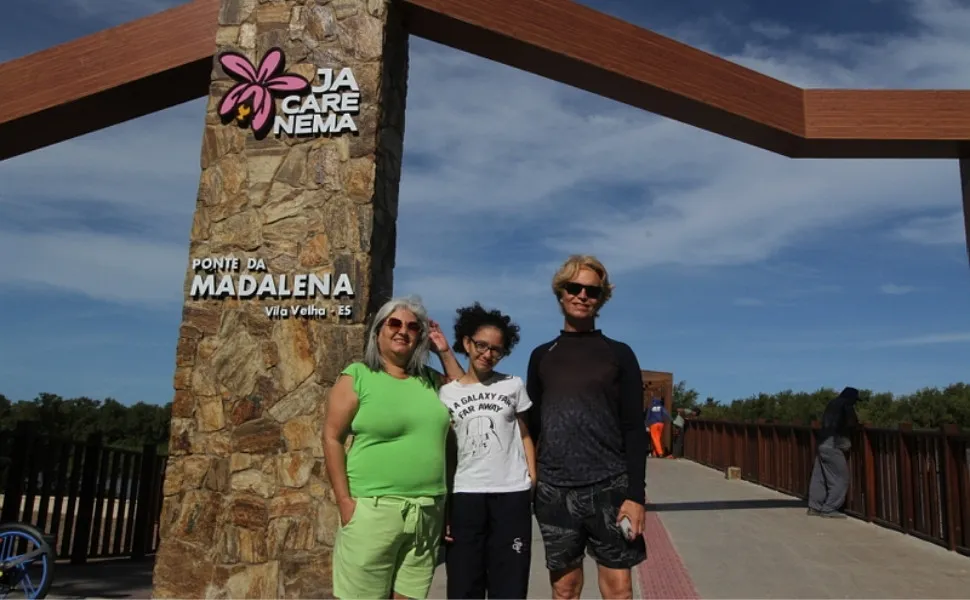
(395, 324)
(592, 291)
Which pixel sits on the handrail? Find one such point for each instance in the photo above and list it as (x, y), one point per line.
(916, 481)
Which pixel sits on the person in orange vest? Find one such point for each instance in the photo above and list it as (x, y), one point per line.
(656, 416)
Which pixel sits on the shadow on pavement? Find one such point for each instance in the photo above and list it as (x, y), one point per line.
(725, 505)
(118, 578)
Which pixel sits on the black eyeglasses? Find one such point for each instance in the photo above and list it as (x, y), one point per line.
(396, 324)
(592, 291)
(482, 347)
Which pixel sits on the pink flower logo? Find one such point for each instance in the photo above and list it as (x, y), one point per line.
(250, 102)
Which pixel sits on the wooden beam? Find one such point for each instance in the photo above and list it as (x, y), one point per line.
(165, 59)
(965, 189)
(107, 78)
(573, 44)
(886, 123)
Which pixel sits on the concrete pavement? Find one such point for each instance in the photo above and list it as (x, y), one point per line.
(707, 537)
(740, 540)
(113, 578)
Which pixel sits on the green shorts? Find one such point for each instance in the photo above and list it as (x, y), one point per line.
(390, 544)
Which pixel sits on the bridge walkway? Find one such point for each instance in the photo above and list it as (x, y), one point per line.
(709, 537)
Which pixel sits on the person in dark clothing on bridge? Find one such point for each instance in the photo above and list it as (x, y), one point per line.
(830, 475)
(587, 418)
(682, 423)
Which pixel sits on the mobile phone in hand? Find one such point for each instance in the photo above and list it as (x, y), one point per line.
(627, 528)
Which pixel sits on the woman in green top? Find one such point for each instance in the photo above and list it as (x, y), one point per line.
(390, 487)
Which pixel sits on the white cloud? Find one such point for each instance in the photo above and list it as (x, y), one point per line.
(748, 302)
(931, 231)
(928, 57)
(762, 206)
(149, 166)
(896, 290)
(107, 267)
(506, 291)
(114, 9)
(702, 200)
(813, 290)
(960, 337)
(862, 338)
(489, 148)
(773, 31)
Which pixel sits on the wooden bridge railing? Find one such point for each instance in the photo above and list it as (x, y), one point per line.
(913, 481)
(93, 500)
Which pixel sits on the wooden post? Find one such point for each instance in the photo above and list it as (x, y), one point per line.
(775, 454)
(724, 445)
(965, 193)
(85, 505)
(144, 515)
(23, 440)
(745, 450)
(952, 530)
(869, 475)
(905, 449)
(737, 446)
(760, 469)
(798, 457)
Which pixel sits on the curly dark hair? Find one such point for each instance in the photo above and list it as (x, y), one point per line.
(472, 318)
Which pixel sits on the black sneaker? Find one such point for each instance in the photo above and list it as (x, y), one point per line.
(813, 513)
(832, 515)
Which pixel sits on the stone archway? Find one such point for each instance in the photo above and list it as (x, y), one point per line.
(248, 511)
(246, 489)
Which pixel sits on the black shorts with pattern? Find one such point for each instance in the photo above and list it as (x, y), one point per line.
(577, 519)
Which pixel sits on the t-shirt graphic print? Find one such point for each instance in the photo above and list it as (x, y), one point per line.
(491, 456)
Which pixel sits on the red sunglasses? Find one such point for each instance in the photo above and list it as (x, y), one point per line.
(395, 324)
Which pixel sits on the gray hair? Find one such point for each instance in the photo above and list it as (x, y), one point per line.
(372, 353)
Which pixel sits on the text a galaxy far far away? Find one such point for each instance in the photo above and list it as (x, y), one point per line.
(220, 277)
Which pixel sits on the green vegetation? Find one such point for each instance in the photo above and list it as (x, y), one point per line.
(138, 424)
(928, 407)
(120, 426)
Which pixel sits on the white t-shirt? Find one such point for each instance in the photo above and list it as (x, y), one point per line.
(491, 456)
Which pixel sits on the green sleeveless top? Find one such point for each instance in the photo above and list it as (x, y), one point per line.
(399, 435)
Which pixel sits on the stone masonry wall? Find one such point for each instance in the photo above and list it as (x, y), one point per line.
(248, 510)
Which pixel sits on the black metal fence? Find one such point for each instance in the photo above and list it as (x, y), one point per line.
(93, 500)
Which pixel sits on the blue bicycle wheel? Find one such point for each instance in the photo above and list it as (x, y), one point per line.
(26, 562)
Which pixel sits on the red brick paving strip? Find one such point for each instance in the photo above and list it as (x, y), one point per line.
(663, 575)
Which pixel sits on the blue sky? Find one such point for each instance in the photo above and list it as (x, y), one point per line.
(738, 270)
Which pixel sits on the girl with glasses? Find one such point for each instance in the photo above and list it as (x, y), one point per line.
(488, 531)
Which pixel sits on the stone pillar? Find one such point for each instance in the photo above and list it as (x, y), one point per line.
(248, 511)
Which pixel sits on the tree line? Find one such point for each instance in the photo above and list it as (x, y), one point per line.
(121, 426)
(929, 407)
(133, 426)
